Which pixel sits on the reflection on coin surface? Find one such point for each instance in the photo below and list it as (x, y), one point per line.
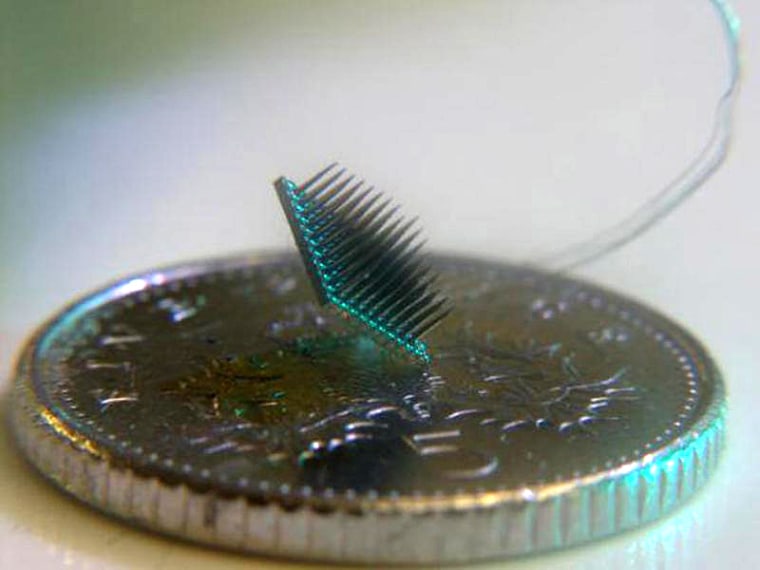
(218, 402)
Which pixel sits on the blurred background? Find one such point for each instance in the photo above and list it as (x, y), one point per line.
(137, 133)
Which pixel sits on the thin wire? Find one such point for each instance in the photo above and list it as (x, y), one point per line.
(683, 186)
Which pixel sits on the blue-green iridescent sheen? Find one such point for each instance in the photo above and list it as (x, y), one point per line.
(730, 18)
(331, 283)
(674, 476)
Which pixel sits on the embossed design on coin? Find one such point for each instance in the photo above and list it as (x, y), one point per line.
(207, 400)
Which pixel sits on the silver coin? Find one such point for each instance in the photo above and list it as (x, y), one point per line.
(219, 403)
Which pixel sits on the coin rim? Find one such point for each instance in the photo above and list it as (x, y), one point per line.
(76, 464)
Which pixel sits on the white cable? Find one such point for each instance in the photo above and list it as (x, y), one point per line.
(684, 185)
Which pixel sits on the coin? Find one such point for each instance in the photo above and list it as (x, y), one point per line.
(218, 402)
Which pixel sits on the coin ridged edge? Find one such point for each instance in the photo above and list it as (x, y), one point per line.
(405, 529)
(388, 531)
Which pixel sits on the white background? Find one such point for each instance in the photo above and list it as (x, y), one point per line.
(136, 134)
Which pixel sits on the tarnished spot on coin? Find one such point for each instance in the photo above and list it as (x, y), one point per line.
(219, 403)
